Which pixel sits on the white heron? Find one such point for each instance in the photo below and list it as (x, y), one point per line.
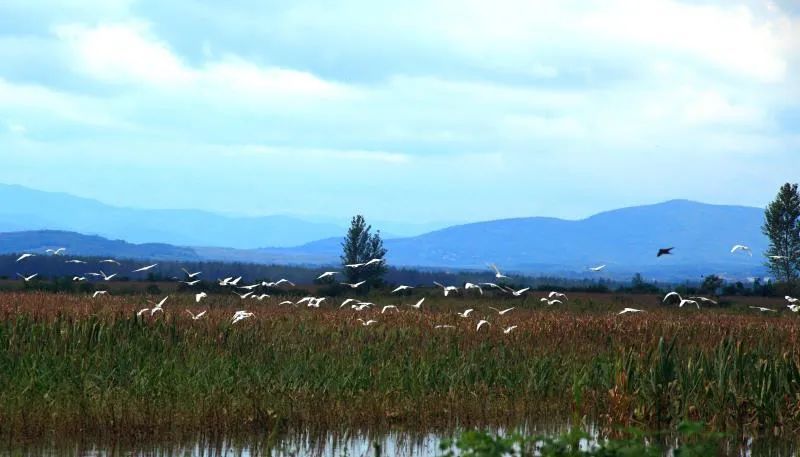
(250, 287)
(683, 301)
(191, 275)
(200, 296)
(762, 309)
(502, 312)
(158, 306)
(792, 300)
(98, 293)
(401, 288)
(778, 257)
(110, 261)
(55, 251)
(557, 295)
(25, 256)
(447, 289)
(327, 274)
(149, 267)
(355, 285)
(508, 330)
(260, 297)
(743, 248)
(354, 265)
(286, 302)
(418, 305)
(75, 261)
(244, 295)
(518, 293)
(551, 302)
(497, 273)
(373, 262)
(281, 281)
(793, 308)
(481, 323)
(492, 285)
(598, 268)
(469, 285)
(197, 316)
(444, 326)
(28, 278)
(240, 316)
(368, 323)
(79, 278)
(107, 277)
(388, 307)
(315, 302)
(465, 314)
(704, 300)
(346, 301)
(191, 283)
(630, 310)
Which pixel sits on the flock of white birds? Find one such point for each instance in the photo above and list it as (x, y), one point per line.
(249, 291)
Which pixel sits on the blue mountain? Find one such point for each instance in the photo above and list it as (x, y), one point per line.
(23, 209)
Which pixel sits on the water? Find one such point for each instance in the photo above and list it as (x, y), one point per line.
(357, 444)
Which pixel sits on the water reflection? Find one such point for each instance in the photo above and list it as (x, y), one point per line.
(354, 444)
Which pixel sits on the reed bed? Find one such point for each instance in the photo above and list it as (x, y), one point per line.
(71, 365)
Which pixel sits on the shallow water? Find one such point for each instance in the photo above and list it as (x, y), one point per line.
(358, 444)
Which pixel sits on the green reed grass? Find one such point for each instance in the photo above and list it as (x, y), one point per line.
(71, 365)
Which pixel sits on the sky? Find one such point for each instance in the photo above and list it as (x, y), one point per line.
(415, 111)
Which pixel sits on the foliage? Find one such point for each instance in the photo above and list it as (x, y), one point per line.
(359, 247)
(782, 226)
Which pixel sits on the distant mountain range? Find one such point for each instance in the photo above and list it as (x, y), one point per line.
(23, 209)
(626, 240)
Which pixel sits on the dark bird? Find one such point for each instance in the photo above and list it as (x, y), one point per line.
(664, 251)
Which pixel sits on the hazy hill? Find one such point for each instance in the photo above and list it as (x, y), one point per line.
(626, 240)
(24, 209)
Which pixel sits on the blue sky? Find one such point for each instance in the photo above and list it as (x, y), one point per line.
(408, 111)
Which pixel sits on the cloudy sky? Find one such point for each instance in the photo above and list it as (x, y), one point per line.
(450, 110)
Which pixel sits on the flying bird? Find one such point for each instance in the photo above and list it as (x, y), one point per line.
(762, 309)
(241, 315)
(664, 251)
(346, 301)
(743, 248)
(286, 302)
(191, 275)
(110, 261)
(149, 267)
(55, 251)
(630, 310)
(465, 314)
(245, 295)
(704, 300)
(503, 311)
(107, 277)
(447, 289)
(683, 301)
(557, 295)
(200, 296)
(79, 278)
(518, 293)
(793, 308)
(354, 265)
(551, 302)
(373, 261)
(791, 299)
(198, 315)
(327, 274)
(444, 326)
(28, 278)
(388, 307)
(469, 285)
(98, 293)
(492, 285)
(778, 257)
(158, 306)
(354, 286)
(481, 323)
(400, 288)
(418, 305)
(509, 329)
(191, 283)
(597, 268)
(368, 323)
(75, 261)
(497, 273)
(25, 256)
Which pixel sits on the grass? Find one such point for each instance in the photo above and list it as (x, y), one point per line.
(70, 365)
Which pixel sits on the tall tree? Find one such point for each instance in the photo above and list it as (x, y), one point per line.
(782, 226)
(361, 246)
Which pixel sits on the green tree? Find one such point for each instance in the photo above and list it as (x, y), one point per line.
(711, 284)
(359, 247)
(782, 226)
